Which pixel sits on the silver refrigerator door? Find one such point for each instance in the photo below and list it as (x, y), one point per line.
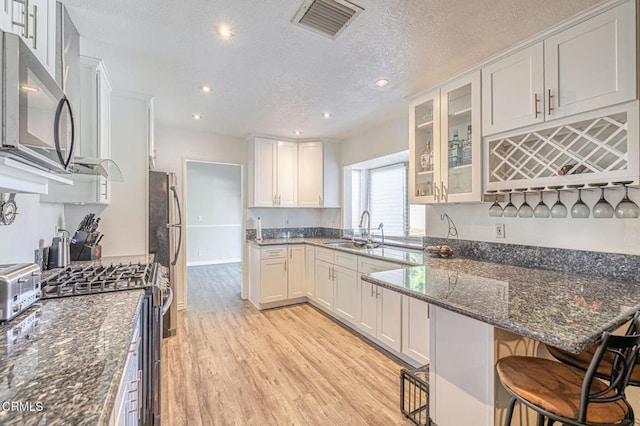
(165, 234)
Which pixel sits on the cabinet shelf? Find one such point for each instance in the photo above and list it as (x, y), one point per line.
(466, 111)
(425, 124)
(425, 173)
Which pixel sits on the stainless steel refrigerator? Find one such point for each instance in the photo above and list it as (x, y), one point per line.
(165, 234)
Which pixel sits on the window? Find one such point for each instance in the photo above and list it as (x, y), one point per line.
(383, 190)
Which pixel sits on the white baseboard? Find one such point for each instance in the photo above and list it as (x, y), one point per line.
(214, 261)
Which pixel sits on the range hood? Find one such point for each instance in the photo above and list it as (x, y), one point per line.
(97, 167)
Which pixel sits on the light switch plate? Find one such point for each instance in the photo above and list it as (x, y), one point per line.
(499, 230)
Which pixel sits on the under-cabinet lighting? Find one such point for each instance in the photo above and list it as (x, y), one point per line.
(196, 116)
(381, 82)
(31, 89)
(224, 31)
(205, 89)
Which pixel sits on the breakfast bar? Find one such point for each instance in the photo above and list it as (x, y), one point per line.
(482, 311)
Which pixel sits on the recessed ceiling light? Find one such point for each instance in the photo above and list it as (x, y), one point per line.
(224, 31)
(381, 82)
(297, 132)
(196, 116)
(205, 89)
(326, 114)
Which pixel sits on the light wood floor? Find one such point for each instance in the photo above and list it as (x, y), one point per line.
(233, 365)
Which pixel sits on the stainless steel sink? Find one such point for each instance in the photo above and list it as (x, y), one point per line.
(355, 245)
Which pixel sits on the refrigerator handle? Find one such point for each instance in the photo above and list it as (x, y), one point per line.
(177, 225)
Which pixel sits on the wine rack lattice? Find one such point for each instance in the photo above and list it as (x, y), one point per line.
(586, 147)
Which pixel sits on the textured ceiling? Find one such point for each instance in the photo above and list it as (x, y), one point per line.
(274, 77)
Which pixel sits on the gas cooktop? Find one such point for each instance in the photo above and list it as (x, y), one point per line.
(79, 280)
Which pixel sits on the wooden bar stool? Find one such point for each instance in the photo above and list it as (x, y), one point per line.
(562, 393)
(583, 359)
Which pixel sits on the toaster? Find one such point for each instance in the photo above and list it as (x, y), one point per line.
(19, 288)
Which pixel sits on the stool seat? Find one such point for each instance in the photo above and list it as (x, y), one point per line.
(583, 359)
(556, 388)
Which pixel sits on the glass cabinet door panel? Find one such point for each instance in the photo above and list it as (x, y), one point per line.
(459, 140)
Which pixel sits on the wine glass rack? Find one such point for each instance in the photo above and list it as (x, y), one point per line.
(593, 150)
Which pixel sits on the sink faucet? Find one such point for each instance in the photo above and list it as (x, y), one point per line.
(381, 228)
(368, 223)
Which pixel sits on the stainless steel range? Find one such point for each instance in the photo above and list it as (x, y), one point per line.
(153, 278)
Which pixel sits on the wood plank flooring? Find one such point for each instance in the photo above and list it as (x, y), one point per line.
(231, 364)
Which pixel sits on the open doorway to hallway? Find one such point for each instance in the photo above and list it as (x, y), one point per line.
(214, 228)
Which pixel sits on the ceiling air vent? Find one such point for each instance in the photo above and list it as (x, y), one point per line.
(326, 17)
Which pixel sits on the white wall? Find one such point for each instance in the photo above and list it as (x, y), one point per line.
(34, 221)
(214, 213)
(174, 147)
(473, 221)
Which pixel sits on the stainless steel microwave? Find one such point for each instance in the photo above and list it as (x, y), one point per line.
(37, 119)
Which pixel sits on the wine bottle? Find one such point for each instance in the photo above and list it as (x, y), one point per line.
(426, 159)
(466, 147)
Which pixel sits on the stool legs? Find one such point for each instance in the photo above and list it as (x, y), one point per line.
(507, 419)
(540, 420)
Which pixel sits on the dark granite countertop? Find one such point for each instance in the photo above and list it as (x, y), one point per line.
(566, 310)
(61, 361)
(405, 256)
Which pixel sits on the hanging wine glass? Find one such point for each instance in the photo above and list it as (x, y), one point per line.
(541, 209)
(496, 209)
(525, 210)
(579, 210)
(626, 209)
(602, 209)
(510, 210)
(558, 210)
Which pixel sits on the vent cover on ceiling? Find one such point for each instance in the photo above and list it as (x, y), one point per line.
(326, 17)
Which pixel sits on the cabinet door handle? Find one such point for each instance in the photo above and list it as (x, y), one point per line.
(536, 102)
(290, 253)
(35, 26)
(320, 200)
(443, 189)
(279, 199)
(273, 200)
(371, 290)
(436, 192)
(329, 274)
(550, 108)
(377, 292)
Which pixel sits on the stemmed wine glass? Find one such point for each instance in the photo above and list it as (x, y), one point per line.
(558, 210)
(602, 209)
(541, 210)
(496, 209)
(626, 209)
(579, 210)
(510, 210)
(525, 210)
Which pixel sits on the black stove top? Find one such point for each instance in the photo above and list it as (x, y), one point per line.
(78, 280)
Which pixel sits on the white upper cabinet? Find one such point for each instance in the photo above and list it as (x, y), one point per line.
(35, 22)
(264, 172)
(287, 167)
(512, 91)
(445, 160)
(592, 64)
(318, 174)
(587, 66)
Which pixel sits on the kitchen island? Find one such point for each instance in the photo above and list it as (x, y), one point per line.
(482, 311)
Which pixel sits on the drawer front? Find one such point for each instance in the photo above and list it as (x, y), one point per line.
(324, 254)
(346, 260)
(367, 265)
(273, 252)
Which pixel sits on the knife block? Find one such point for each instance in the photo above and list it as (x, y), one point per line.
(81, 251)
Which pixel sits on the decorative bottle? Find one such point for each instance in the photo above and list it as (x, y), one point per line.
(466, 147)
(454, 150)
(426, 159)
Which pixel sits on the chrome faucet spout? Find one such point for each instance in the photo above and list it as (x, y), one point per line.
(366, 212)
(381, 228)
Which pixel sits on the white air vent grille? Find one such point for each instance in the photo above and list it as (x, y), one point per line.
(326, 17)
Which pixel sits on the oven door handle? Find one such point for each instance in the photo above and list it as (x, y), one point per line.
(167, 304)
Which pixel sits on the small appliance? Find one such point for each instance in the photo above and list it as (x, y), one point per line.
(19, 288)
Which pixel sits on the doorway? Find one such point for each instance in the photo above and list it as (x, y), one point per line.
(214, 228)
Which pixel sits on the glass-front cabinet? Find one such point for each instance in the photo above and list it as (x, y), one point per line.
(445, 144)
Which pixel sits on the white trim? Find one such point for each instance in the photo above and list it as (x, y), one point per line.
(230, 225)
(214, 261)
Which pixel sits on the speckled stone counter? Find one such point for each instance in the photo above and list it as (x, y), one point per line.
(401, 255)
(565, 310)
(61, 361)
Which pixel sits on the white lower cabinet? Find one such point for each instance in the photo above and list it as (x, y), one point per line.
(346, 293)
(324, 285)
(380, 309)
(415, 329)
(310, 272)
(276, 275)
(126, 409)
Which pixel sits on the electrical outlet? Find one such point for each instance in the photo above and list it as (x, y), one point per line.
(199, 253)
(499, 230)
(199, 218)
